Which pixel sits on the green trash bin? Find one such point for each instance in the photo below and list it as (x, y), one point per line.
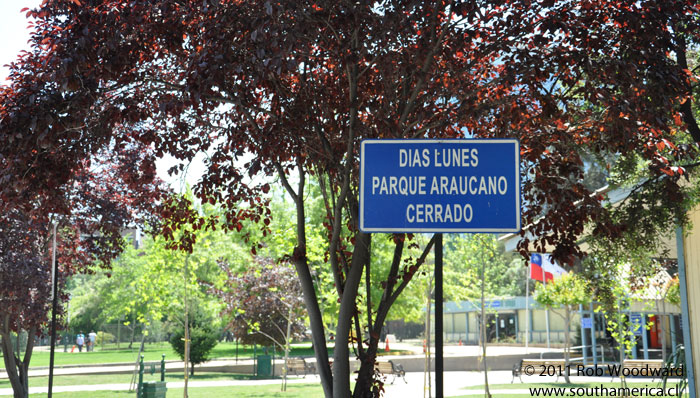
(154, 389)
(265, 365)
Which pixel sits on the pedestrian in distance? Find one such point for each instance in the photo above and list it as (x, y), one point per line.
(80, 341)
(92, 336)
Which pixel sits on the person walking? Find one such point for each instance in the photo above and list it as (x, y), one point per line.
(92, 336)
(79, 341)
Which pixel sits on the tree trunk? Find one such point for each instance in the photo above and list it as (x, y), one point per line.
(20, 389)
(301, 265)
(365, 375)
(316, 324)
(133, 334)
(621, 343)
(286, 348)
(17, 369)
(341, 358)
(119, 331)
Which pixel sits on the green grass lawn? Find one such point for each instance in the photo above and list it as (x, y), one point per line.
(152, 352)
(75, 380)
(268, 391)
(112, 355)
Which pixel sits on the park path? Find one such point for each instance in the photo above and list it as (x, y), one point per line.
(245, 366)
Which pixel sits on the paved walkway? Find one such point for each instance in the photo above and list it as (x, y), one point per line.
(455, 382)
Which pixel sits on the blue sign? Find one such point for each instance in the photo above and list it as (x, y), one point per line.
(495, 304)
(636, 323)
(461, 185)
(587, 323)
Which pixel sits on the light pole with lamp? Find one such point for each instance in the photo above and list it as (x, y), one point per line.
(54, 304)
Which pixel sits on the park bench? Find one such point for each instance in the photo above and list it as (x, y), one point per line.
(299, 366)
(535, 366)
(390, 368)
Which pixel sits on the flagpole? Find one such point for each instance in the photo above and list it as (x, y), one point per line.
(527, 307)
(546, 310)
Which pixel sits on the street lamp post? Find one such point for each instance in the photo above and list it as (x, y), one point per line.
(54, 304)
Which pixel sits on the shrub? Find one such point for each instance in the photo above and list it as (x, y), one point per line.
(104, 337)
(202, 339)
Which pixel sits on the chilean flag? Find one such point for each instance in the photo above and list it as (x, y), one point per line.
(537, 271)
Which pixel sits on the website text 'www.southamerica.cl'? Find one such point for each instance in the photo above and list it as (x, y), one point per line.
(602, 391)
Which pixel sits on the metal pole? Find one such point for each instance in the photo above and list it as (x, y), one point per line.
(645, 342)
(584, 340)
(427, 377)
(139, 389)
(546, 310)
(527, 307)
(438, 317)
(593, 337)
(672, 325)
(482, 328)
(685, 315)
(54, 304)
(634, 336)
(497, 326)
(162, 368)
(53, 261)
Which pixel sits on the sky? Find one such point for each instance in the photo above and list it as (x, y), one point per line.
(13, 31)
(15, 34)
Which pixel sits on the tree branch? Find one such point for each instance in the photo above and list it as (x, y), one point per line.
(419, 262)
(410, 102)
(285, 181)
(687, 105)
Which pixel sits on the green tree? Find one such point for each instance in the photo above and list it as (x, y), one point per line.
(85, 308)
(146, 283)
(568, 291)
(617, 270)
(464, 255)
(203, 337)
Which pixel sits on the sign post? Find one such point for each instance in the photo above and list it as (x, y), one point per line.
(438, 186)
(439, 368)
